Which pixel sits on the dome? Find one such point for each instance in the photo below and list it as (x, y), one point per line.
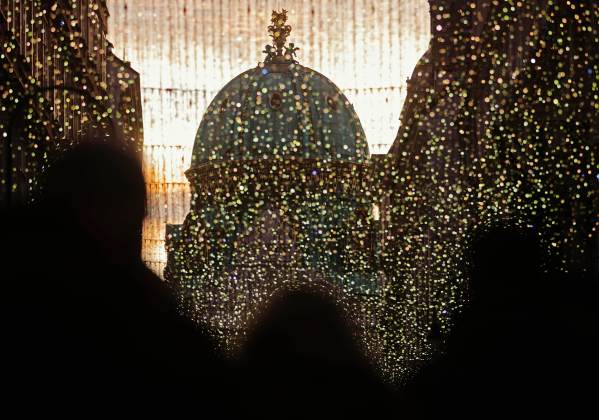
(280, 197)
(279, 109)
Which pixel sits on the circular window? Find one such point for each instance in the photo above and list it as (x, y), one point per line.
(276, 100)
(332, 103)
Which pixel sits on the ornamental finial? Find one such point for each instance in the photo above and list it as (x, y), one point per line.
(279, 32)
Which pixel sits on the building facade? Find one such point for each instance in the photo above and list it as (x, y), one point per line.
(499, 126)
(60, 84)
(281, 198)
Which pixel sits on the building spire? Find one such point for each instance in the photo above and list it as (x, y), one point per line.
(279, 52)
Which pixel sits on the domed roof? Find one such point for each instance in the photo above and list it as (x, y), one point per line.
(279, 109)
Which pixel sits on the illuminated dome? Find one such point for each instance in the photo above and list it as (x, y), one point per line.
(280, 197)
(280, 109)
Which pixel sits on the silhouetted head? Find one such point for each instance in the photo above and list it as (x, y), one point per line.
(98, 189)
(506, 263)
(302, 355)
(303, 325)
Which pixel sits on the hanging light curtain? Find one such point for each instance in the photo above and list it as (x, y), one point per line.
(187, 50)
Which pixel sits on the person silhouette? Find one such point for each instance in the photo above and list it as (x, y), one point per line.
(301, 361)
(501, 351)
(87, 318)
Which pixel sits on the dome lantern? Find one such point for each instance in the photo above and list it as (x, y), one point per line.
(279, 32)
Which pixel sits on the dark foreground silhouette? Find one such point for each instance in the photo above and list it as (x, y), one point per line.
(518, 346)
(85, 322)
(87, 326)
(301, 361)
